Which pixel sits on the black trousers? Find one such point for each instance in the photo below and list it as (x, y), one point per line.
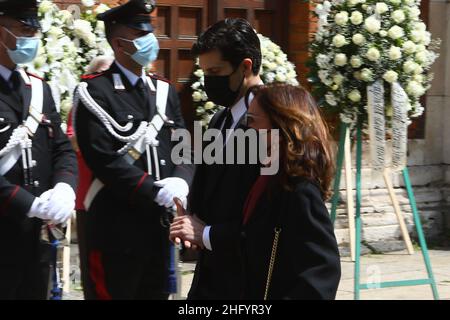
(29, 280)
(121, 276)
(83, 249)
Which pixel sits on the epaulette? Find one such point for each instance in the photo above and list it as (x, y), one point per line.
(91, 75)
(157, 77)
(33, 75)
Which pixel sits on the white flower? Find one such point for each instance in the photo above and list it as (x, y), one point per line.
(338, 79)
(410, 66)
(410, 2)
(415, 89)
(199, 73)
(270, 77)
(340, 59)
(414, 13)
(356, 62)
(356, 18)
(341, 18)
(422, 57)
(358, 39)
(396, 32)
(372, 24)
(354, 96)
(383, 33)
(331, 99)
(196, 85)
(46, 6)
(373, 54)
(322, 61)
(409, 47)
(366, 75)
(418, 77)
(324, 77)
(381, 8)
(395, 53)
(352, 3)
(197, 96)
(88, 3)
(209, 105)
(419, 26)
(101, 8)
(398, 16)
(339, 41)
(390, 76)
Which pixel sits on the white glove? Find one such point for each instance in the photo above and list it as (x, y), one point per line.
(170, 188)
(61, 203)
(39, 208)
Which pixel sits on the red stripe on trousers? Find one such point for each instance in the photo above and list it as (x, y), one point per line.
(97, 274)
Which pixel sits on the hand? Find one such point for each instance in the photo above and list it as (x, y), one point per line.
(61, 203)
(188, 228)
(171, 188)
(39, 208)
(180, 207)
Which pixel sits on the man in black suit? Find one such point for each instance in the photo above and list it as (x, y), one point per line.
(37, 164)
(230, 56)
(124, 124)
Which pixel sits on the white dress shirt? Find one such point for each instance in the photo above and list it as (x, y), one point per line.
(6, 73)
(237, 111)
(131, 76)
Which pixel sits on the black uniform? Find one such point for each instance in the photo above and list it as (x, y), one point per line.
(24, 261)
(130, 246)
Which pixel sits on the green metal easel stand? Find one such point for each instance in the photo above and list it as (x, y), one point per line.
(358, 286)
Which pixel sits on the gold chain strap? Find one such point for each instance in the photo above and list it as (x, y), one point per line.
(272, 260)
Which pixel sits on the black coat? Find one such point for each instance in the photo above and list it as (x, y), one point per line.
(217, 197)
(307, 264)
(124, 216)
(55, 162)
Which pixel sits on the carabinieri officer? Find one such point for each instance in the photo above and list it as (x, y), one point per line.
(123, 123)
(37, 164)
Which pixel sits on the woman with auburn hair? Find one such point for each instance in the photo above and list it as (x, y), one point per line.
(288, 246)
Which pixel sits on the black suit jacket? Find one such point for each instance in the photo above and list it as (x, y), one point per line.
(307, 264)
(124, 216)
(217, 197)
(55, 162)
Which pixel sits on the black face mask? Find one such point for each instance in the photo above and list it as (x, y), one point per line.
(218, 90)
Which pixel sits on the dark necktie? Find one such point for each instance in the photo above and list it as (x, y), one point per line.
(143, 94)
(16, 85)
(227, 124)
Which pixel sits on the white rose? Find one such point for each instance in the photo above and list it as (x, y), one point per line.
(372, 24)
(88, 3)
(383, 33)
(414, 13)
(410, 2)
(341, 18)
(422, 56)
(338, 79)
(356, 62)
(330, 99)
(197, 96)
(199, 73)
(409, 47)
(410, 66)
(340, 59)
(354, 96)
(398, 16)
(101, 8)
(356, 18)
(65, 16)
(396, 32)
(381, 8)
(280, 77)
(395, 53)
(390, 76)
(418, 69)
(358, 39)
(420, 26)
(209, 105)
(352, 3)
(415, 89)
(323, 76)
(373, 54)
(418, 77)
(339, 41)
(366, 75)
(45, 6)
(395, 1)
(357, 75)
